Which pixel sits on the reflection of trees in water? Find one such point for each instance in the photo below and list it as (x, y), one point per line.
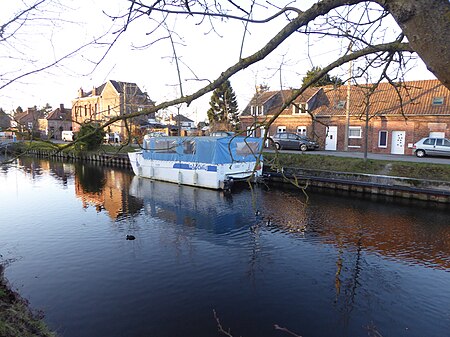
(91, 178)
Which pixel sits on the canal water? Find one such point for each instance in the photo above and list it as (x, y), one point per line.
(326, 265)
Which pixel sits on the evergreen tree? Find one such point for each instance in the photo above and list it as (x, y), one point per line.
(324, 80)
(223, 106)
(45, 110)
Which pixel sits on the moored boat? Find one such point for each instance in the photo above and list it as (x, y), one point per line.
(210, 162)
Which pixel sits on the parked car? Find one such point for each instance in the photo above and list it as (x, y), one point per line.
(222, 134)
(156, 134)
(287, 140)
(68, 136)
(432, 146)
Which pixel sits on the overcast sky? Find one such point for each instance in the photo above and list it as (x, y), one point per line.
(203, 54)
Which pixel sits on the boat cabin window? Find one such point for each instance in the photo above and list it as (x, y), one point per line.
(246, 148)
(165, 146)
(189, 147)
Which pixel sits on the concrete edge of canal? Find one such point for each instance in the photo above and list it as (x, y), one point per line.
(401, 187)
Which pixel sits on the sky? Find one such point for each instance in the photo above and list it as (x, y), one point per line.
(62, 26)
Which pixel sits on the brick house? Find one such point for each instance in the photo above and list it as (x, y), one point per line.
(398, 116)
(59, 120)
(111, 99)
(29, 122)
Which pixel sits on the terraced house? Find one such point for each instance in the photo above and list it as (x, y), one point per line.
(111, 99)
(392, 117)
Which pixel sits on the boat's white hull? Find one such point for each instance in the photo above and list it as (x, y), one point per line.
(215, 176)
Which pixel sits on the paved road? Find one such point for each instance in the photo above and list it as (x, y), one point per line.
(389, 157)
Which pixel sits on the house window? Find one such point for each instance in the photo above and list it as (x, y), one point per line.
(354, 132)
(281, 129)
(340, 105)
(300, 108)
(438, 101)
(251, 132)
(301, 130)
(30, 125)
(382, 139)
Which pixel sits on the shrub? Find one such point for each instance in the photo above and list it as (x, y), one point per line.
(90, 137)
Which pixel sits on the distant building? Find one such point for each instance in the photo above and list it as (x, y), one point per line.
(59, 120)
(111, 99)
(5, 121)
(28, 122)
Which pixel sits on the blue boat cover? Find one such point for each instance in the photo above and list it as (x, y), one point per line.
(210, 150)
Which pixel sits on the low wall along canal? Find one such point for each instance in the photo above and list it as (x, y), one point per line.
(400, 187)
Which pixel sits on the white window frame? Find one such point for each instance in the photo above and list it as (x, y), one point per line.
(299, 130)
(379, 139)
(354, 128)
(340, 105)
(299, 108)
(251, 131)
(257, 110)
(437, 101)
(281, 128)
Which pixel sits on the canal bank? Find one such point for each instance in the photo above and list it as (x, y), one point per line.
(428, 182)
(16, 318)
(400, 187)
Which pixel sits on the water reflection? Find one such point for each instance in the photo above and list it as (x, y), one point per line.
(328, 267)
(188, 206)
(105, 190)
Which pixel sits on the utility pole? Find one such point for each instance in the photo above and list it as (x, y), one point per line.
(347, 105)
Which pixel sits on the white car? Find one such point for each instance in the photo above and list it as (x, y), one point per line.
(432, 146)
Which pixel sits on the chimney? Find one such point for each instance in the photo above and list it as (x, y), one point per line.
(80, 93)
(61, 107)
(94, 91)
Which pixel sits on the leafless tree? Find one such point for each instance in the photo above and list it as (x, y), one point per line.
(423, 27)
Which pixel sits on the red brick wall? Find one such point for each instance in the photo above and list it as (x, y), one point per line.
(415, 128)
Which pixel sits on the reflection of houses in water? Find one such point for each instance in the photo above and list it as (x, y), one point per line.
(35, 167)
(105, 189)
(186, 205)
(390, 230)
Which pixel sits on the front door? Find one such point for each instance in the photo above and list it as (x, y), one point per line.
(331, 140)
(398, 142)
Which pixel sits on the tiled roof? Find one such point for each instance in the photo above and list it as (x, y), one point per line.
(274, 100)
(132, 90)
(28, 116)
(410, 98)
(58, 114)
(5, 119)
(182, 118)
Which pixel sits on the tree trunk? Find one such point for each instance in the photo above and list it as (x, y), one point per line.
(426, 24)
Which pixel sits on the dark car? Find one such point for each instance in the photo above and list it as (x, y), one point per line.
(432, 146)
(293, 141)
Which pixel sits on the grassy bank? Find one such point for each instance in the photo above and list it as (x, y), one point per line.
(307, 161)
(16, 319)
(43, 145)
(357, 165)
